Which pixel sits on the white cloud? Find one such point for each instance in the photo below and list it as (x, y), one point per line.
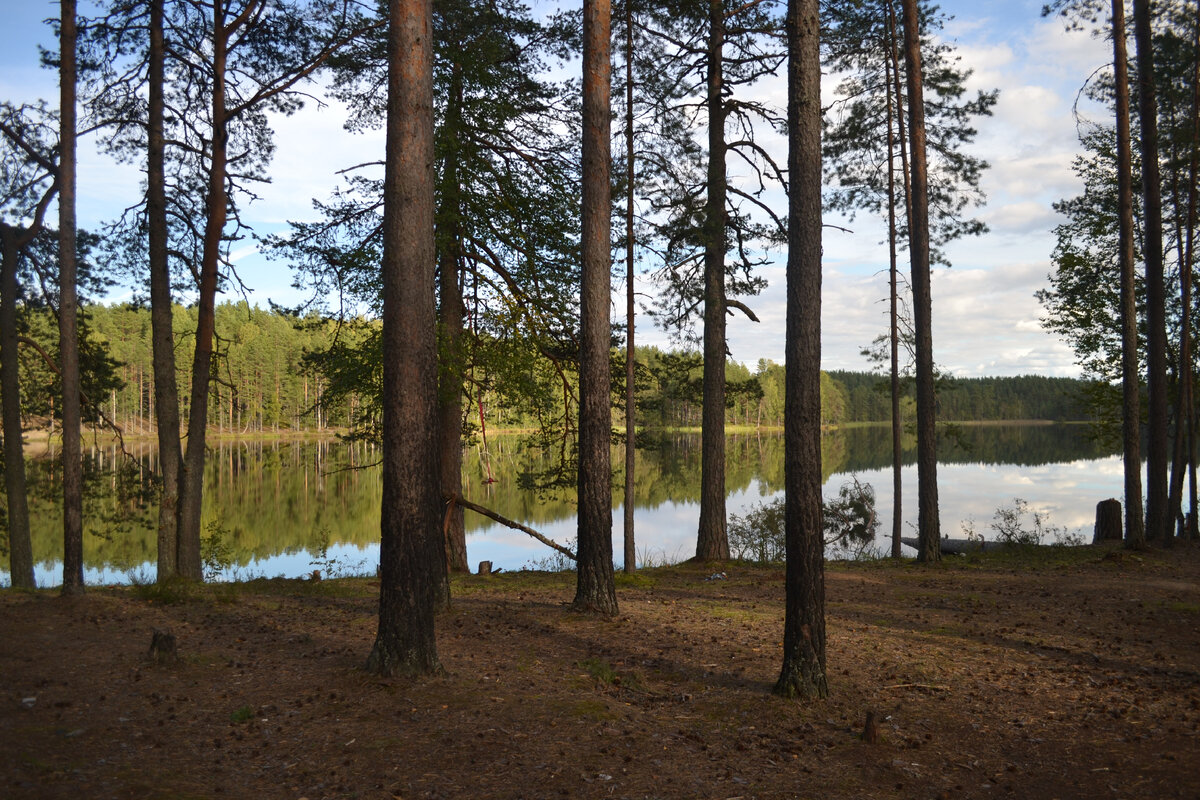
(312, 146)
(1021, 218)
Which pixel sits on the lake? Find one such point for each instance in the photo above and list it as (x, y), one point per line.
(285, 508)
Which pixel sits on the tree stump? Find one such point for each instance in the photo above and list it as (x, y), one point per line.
(485, 568)
(1108, 521)
(162, 647)
(870, 733)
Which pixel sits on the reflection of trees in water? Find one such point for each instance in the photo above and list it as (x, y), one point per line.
(869, 448)
(274, 497)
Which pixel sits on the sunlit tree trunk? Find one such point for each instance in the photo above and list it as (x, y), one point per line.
(595, 583)
(412, 553)
(712, 541)
(68, 321)
(928, 525)
(191, 485)
(804, 672)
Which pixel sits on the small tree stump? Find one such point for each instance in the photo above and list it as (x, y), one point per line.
(162, 647)
(1108, 521)
(870, 733)
(485, 568)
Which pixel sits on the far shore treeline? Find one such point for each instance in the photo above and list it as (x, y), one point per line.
(271, 376)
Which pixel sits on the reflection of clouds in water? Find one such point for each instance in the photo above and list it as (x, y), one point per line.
(1067, 492)
(667, 532)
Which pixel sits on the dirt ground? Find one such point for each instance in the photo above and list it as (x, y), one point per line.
(1068, 675)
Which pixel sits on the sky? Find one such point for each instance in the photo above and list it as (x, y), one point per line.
(986, 318)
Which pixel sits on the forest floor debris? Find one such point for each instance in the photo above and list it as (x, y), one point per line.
(1058, 673)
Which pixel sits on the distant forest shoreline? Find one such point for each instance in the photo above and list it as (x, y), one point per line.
(269, 383)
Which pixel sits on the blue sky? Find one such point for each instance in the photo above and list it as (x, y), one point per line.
(986, 319)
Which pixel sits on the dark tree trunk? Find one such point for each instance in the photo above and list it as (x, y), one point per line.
(712, 541)
(891, 70)
(450, 412)
(928, 526)
(166, 391)
(20, 548)
(803, 673)
(595, 584)
(1108, 521)
(630, 372)
(451, 325)
(1189, 404)
(412, 553)
(68, 310)
(1135, 532)
(191, 485)
(1158, 523)
(1185, 413)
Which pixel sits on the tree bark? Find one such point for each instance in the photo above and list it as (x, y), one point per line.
(893, 93)
(1135, 532)
(412, 553)
(630, 372)
(928, 525)
(1181, 199)
(595, 583)
(68, 310)
(191, 487)
(712, 541)
(803, 673)
(1158, 523)
(451, 326)
(162, 331)
(1108, 521)
(1186, 373)
(20, 548)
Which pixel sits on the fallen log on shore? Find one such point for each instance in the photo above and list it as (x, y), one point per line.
(958, 547)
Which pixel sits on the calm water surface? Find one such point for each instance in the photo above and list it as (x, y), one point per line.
(288, 508)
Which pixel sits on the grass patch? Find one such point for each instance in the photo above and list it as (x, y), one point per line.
(171, 592)
(1180, 607)
(603, 672)
(635, 580)
(243, 714)
(593, 709)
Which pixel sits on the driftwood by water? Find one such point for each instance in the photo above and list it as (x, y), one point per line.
(487, 512)
(958, 547)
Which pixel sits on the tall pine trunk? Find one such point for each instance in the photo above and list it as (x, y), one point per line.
(928, 525)
(895, 125)
(412, 554)
(68, 310)
(630, 371)
(451, 322)
(803, 673)
(712, 541)
(1189, 404)
(20, 547)
(191, 486)
(595, 589)
(1158, 526)
(1135, 532)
